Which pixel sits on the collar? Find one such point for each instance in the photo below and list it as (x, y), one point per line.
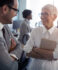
(1, 26)
(27, 20)
(50, 30)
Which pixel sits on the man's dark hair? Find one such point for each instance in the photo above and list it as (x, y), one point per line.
(26, 13)
(6, 2)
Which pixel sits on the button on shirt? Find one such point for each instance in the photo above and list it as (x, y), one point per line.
(36, 35)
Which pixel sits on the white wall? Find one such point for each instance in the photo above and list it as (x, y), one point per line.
(35, 6)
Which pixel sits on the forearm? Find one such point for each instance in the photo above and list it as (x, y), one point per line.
(17, 51)
(33, 55)
(44, 54)
(41, 54)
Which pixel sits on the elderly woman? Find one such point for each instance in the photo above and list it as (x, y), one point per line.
(44, 59)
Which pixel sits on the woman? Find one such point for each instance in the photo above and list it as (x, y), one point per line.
(48, 31)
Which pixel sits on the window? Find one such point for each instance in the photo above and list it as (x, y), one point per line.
(36, 6)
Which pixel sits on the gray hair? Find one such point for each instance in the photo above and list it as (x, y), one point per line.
(51, 8)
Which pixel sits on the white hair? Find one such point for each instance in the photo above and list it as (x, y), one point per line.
(51, 8)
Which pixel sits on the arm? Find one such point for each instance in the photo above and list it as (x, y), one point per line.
(15, 47)
(17, 51)
(23, 28)
(23, 31)
(6, 62)
(43, 54)
(33, 54)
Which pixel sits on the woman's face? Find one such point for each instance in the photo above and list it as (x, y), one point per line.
(47, 17)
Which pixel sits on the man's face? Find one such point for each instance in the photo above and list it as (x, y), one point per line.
(47, 17)
(29, 16)
(10, 13)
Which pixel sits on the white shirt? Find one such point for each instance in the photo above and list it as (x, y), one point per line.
(36, 35)
(1, 27)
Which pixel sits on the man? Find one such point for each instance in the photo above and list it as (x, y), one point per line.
(10, 50)
(25, 26)
(47, 58)
(25, 30)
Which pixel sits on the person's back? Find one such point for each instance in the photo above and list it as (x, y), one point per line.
(24, 29)
(25, 26)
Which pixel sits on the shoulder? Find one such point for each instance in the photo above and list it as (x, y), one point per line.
(38, 29)
(56, 30)
(23, 23)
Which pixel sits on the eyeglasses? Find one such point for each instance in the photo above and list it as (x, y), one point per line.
(45, 14)
(13, 9)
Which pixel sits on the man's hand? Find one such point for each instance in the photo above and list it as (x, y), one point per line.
(14, 57)
(13, 45)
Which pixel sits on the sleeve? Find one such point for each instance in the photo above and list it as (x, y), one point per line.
(55, 53)
(30, 43)
(6, 62)
(23, 29)
(18, 51)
